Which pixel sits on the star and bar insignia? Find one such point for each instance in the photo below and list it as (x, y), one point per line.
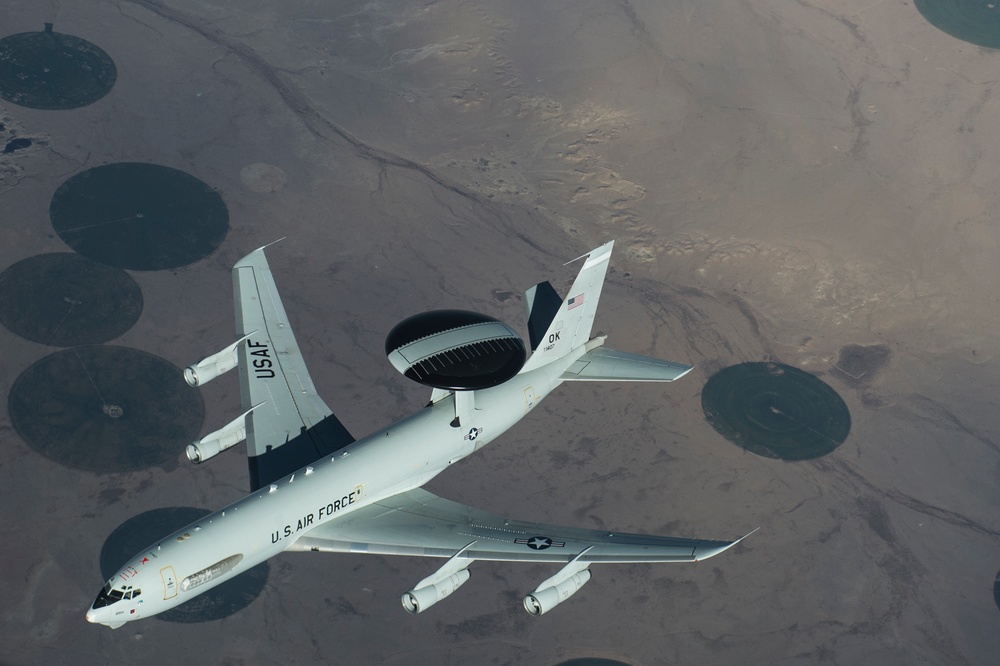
(540, 543)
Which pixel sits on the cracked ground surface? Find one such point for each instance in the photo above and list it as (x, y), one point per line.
(785, 182)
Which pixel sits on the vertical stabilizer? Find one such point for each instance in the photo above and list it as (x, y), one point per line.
(542, 304)
(571, 324)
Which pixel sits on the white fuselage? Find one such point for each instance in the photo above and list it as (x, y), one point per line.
(402, 457)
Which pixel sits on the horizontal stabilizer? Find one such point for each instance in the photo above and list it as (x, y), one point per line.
(609, 365)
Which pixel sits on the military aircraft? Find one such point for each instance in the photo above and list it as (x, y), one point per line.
(315, 488)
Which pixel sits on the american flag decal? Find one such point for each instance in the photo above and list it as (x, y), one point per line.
(574, 302)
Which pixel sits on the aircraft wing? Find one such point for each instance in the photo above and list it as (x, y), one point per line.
(420, 523)
(288, 425)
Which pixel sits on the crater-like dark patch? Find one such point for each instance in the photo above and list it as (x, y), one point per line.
(150, 527)
(51, 70)
(16, 144)
(858, 366)
(973, 21)
(139, 216)
(776, 411)
(872, 401)
(105, 409)
(64, 300)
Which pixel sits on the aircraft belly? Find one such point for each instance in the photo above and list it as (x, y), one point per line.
(415, 450)
(404, 456)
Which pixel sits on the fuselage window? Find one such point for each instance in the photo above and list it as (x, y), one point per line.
(205, 575)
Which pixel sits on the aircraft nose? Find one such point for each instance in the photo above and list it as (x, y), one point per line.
(91, 616)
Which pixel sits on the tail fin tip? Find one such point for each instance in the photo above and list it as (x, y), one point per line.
(557, 327)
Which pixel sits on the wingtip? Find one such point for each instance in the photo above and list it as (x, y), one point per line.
(262, 247)
(743, 537)
(596, 253)
(705, 553)
(257, 256)
(688, 369)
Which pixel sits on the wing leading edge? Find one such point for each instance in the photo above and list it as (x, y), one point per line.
(289, 426)
(420, 523)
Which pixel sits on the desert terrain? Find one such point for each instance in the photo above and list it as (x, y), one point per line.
(784, 182)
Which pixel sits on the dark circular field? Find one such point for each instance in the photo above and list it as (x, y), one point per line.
(50, 70)
(64, 300)
(145, 530)
(973, 21)
(776, 411)
(105, 409)
(139, 216)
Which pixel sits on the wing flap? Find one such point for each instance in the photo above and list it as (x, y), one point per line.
(421, 524)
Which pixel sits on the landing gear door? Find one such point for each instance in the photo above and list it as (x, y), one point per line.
(169, 582)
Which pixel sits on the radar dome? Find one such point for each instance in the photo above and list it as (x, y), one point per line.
(455, 350)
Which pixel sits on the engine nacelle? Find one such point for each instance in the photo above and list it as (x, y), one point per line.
(215, 443)
(215, 365)
(210, 368)
(423, 598)
(540, 602)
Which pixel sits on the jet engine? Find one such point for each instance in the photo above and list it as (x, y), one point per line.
(423, 598)
(542, 601)
(217, 364)
(215, 443)
(554, 590)
(455, 350)
(451, 576)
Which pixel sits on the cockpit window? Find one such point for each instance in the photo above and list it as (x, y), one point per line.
(108, 595)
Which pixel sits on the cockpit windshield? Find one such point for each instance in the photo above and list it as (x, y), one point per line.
(112, 595)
